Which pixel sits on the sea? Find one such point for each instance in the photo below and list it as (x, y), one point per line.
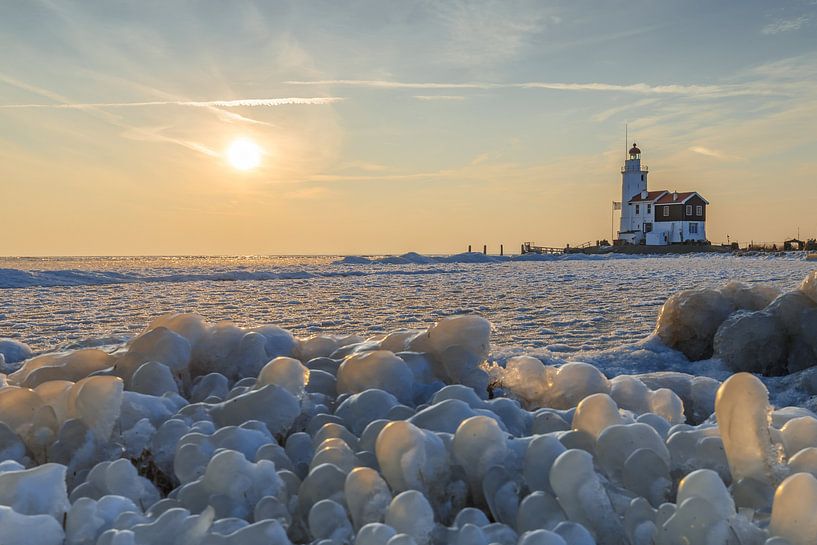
(562, 303)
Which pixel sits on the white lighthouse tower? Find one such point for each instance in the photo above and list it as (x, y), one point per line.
(633, 182)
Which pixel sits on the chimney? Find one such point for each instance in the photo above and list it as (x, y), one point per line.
(644, 194)
(674, 195)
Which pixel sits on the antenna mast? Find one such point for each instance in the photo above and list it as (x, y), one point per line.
(626, 141)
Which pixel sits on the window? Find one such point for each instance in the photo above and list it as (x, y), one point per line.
(649, 209)
(642, 177)
(699, 210)
(689, 210)
(693, 228)
(637, 209)
(666, 211)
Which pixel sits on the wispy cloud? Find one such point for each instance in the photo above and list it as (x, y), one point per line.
(439, 97)
(634, 88)
(247, 102)
(715, 154)
(785, 25)
(130, 131)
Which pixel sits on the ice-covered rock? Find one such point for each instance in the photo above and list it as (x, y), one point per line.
(539, 510)
(478, 445)
(794, 514)
(635, 455)
(805, 461)
(158, 345)
(754, 342)
(457, 345)
(799, 433)
(96, 402)
(410, 513)
(575, 381)
(254, 405)
(71, 366)
(689, 319)
(232, 486)
(595, 413)
(705, 483)
(37, 491)
(18, 529)
(88, 519)
(117, 478)
(367, 496)
(379, 369)
(359, 410)
(742, 409)
(583, 498)
(375, 534)
(538, 385)
(285, 372)
(809, 286)
(412, 459)
(154, 378)
(328, 520)
(541, 537)
(749, 297)
(194, 450)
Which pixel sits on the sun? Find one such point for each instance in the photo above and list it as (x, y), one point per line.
(244, 154)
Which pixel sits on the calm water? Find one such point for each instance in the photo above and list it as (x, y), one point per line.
(586, 304)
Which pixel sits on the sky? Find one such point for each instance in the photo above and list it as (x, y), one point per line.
(394, 126)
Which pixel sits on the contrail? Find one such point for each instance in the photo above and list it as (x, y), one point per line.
(635, 88)
(244, 102)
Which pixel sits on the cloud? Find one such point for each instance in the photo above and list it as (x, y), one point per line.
(439, 97)
(633, 88)
(716, 154)
(784, 25)
(489, 31)
(247, 102)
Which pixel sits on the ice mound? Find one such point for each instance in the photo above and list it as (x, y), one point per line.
(209, 434)
(72, 366)
(37, 491)
(232, 486)
(379, 369)
(18, 529)
(754, 329)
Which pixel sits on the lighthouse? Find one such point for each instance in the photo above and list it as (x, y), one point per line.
(657, 218)
(633, 183)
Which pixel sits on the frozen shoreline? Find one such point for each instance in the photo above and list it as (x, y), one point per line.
(217, 434)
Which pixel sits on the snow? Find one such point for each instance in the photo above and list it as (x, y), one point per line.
(218, 432)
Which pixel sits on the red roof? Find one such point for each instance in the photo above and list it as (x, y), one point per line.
(651, 196)
(680, 199)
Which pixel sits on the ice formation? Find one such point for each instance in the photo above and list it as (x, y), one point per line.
(211, 434)
(754, 329)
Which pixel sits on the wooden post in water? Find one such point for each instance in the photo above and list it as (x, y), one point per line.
(501, 249)
(485, 249)
(469, 248)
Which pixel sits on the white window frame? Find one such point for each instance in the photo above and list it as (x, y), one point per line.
(699, 210)
(693, 228)
(666, 211)
(637, 209)
(689, 210)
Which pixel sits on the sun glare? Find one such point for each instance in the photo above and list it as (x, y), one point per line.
(244, 154)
